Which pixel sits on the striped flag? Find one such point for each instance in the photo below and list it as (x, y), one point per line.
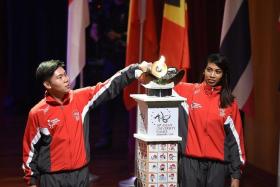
(174, 34)
(236, 46)
(78, 20)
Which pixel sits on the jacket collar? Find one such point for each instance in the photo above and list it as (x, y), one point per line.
(209, 90)
(52, 101)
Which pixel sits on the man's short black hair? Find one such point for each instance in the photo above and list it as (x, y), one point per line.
(46, 69)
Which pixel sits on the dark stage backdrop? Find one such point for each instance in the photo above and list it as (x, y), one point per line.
(2, 52)
(35, 31)
(205, 23)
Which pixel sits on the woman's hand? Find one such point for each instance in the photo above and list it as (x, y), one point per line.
(234, 183)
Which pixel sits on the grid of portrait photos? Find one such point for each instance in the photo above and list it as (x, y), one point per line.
(157, 164)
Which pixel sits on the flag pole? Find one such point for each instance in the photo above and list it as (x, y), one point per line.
(142, 17)
(81, 78)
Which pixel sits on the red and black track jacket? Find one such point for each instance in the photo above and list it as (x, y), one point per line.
(209, 131)
(56, 137)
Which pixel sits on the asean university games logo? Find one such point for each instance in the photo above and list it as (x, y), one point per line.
(195, 105)
(53, 122)
(76, 115)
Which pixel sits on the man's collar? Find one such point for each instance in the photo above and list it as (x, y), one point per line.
(52, 101)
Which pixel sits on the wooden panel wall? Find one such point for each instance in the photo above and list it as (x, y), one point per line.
(262, 133)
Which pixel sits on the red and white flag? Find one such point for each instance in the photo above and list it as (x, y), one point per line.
(78, 20)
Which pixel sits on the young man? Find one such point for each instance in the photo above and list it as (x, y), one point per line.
(56, 138)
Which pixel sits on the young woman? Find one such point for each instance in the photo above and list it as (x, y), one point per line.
(212, 146)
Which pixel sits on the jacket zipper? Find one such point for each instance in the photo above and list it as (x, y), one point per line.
(69, 141)
(207, 118)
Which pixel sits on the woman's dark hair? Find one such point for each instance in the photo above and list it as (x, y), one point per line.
(46, 69)
(226, 97)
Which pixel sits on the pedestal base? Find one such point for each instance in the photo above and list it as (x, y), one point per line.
(156, 164)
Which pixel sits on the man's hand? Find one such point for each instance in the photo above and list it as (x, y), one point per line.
(32, 186)
(145, 66)
(234, 183)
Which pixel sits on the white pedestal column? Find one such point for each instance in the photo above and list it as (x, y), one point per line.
(157, 140)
